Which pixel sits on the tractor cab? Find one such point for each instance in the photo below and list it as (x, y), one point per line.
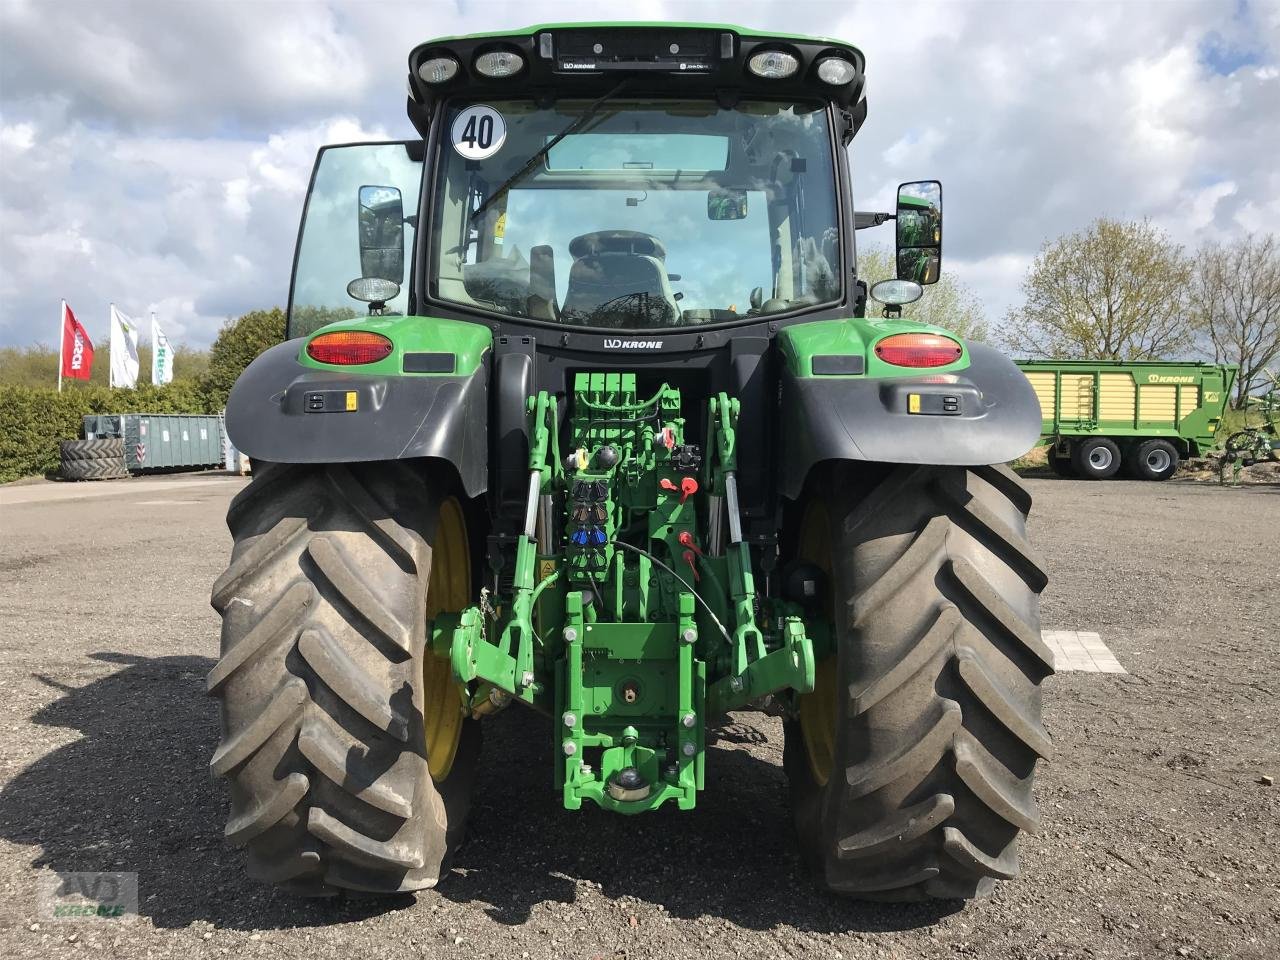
(615, 178)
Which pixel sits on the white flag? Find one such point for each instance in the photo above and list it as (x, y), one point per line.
(124, 350)
(161, 355)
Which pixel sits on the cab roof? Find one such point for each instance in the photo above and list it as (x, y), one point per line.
(588, 60)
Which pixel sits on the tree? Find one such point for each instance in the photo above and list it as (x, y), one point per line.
(1235, 293)
(239, 342)
(1114, 291)
(948, 303)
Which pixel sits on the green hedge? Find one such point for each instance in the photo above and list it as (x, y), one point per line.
(34, 419)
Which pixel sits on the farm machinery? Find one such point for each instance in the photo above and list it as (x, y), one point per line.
(582, 412)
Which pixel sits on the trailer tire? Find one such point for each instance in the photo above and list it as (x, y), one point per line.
(1061, 466)
(104, 448)
(1095, 458)
(1152, 460)
(933, 698)
(329, 693)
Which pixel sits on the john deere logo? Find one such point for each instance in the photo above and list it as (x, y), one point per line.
(1161, 378)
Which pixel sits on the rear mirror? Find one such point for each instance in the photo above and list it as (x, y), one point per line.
(919, 231)
(381, 234)
(726, 204)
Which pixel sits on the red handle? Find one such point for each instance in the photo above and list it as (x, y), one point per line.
(688, 558)
(688, 487)
(686, 540)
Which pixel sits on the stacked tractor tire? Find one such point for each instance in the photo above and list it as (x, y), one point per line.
(101, 459)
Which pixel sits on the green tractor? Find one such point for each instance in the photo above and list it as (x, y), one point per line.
(581, 411)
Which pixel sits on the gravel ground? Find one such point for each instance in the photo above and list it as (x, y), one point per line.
(1160, 838)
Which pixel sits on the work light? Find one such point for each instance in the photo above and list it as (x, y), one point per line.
(438, 69)
(836, 71)
(499, 63)
(773, 64)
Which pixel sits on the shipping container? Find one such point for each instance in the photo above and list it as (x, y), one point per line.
(1102, 416)
(161, 441)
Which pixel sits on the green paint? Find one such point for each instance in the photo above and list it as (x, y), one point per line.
(599, 631)
(466, 341)
(1076, 409)
(802, 342)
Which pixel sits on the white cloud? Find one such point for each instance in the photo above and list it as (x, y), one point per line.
(198, 229)
(157, 153)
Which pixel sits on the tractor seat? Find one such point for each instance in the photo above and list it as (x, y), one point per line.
(619, 279)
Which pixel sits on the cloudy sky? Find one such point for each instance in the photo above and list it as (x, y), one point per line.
(156, 154)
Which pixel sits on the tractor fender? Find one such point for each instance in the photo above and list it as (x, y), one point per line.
(864, 418)
(284, 412)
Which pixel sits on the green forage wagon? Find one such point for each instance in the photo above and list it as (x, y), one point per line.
(583, 410)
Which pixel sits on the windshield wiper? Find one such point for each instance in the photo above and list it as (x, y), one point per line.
(583, 119)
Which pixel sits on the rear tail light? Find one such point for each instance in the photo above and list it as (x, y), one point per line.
(918, 350)
(349, 347)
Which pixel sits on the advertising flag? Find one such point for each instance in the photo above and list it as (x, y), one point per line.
(77, 348)
(161, 355)
(124, 350)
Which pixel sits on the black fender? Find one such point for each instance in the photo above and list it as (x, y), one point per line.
(284, 412)
(996, 419)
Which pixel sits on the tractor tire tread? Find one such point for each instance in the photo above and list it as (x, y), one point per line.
(102, 448)
(941, 665)
(321, 684)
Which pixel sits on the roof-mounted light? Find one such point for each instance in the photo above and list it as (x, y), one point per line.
(773, 64)
(836, 71)
(438, 70)
(499, 63)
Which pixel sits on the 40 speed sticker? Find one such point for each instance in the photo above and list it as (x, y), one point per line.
(478, 132)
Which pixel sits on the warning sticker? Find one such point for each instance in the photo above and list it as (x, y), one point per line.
(500, 228)
(478, 132)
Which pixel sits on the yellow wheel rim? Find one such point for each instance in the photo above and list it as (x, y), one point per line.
(448, 591)
(818, 709)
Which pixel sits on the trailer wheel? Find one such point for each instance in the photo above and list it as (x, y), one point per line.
(1095, 458)
(911, 763)
(1061, 466)
(1152, 460)
(344, 742)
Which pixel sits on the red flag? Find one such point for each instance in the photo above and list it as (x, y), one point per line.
(77, 348)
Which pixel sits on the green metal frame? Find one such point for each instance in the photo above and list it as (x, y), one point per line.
(801, 342)
(628, 625)
(467, 342)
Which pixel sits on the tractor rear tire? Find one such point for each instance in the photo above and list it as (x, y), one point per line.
(103, 448)
(922, 785)
(103, 468)
(324, 681)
